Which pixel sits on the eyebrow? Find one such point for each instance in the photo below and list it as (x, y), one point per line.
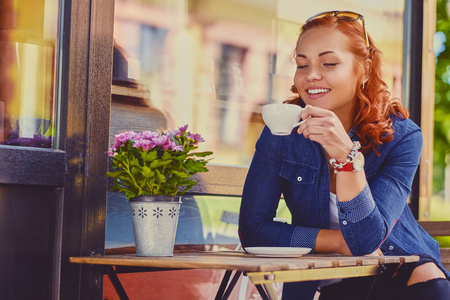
(320, 54)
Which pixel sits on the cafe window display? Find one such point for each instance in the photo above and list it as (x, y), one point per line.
(209, 64)
(28, 31)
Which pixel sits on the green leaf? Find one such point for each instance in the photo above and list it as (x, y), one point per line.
(113, 174)
(173, 180)
(149, 155)
(166, 156)
(136, 169)
(160, 176)
(190, 148)
(189, 182)
(181, 174)
(134, 161)
(195, 166)
(147, 172)
(202, 154)
(180, 158)
(158, 163)
(119, 158)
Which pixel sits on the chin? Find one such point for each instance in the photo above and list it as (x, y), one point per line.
(317, 104)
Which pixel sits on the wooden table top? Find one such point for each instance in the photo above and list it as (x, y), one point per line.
(241, 261)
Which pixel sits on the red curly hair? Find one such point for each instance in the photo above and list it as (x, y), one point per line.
(374, 106)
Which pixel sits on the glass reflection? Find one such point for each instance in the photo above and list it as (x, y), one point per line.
(28, 31)
(212, 64)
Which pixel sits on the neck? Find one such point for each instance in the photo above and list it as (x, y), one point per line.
(347, 115)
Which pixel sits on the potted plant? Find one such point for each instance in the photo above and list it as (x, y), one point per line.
(153, 170)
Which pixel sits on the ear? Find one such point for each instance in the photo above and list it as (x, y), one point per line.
(367, 69)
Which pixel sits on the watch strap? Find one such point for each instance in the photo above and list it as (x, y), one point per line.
(348, 164)
(345, 167)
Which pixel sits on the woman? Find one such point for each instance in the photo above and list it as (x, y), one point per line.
(346, 172)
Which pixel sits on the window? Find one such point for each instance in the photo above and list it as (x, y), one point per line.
(213, 64)
(27, 72)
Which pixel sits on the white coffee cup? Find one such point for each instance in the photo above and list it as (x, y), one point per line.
(281, 118)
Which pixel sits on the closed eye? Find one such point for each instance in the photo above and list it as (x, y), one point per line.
(330, 64)
(302, 66)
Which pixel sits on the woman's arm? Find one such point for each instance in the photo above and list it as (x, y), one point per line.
(364, 209)
(261, 195)
(389, 185)
(331, 241)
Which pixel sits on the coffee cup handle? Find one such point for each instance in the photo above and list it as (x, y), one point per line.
(298, 124)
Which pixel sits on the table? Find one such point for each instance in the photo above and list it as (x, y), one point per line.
(263, 271)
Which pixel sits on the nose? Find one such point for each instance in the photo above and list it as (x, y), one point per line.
(313, 74)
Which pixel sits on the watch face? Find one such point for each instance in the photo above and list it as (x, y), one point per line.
(358, 161)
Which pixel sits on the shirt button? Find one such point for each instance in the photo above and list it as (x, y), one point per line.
(299, 178)
(344, 222)
(391, 247)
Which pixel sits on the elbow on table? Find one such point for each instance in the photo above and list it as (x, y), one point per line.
(367, 243)
(366, 250)
(256, 235)
(246, 235)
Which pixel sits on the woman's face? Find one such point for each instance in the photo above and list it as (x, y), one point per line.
(326, 76)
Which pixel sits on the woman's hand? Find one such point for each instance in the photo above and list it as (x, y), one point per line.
(323, 126)
(376, 253)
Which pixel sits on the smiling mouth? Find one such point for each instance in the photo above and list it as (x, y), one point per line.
(317, 91)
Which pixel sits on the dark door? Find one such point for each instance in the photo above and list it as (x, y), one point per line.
(52, 175)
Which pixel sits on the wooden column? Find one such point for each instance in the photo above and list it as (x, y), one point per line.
(427, 109)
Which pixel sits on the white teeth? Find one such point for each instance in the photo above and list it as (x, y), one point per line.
(317, 91)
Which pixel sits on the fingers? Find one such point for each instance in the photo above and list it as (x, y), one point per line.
(324, 127)
(315, 124)
(313, 127)
(316, 112)
(302, 113)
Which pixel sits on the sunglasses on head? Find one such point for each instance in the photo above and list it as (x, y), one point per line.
(348, 16)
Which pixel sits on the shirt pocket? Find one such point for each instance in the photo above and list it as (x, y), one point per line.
(299, 173)
(300, 188)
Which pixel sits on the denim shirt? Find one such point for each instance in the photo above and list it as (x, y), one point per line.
(378, 217)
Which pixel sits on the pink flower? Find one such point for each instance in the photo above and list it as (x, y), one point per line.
(196, 138)
(144, 144)
(175, 147)
(175, 133)
(111, 152)
(183, 128)
(123, 137)
(170, 141)
(163, 141)
(149, 135)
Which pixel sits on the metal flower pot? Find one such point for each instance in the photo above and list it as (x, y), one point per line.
(155, 220)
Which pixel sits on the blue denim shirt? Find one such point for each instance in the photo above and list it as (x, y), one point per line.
(378, 217)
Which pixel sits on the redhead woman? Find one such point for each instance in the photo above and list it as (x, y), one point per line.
(346, 172)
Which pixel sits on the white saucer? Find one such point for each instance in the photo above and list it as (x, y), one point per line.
(277, 251)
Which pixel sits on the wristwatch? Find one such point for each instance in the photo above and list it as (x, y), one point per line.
(354, 162)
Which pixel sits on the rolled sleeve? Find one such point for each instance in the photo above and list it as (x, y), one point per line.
(359, 207)
(304, 237)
